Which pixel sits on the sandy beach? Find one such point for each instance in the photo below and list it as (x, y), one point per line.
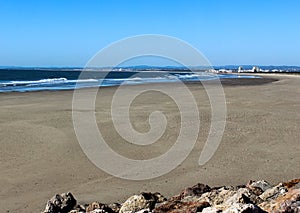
(40, 155)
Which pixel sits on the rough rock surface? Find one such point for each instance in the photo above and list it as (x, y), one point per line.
(142, 201)
(179, 206)
(195, 191)
(258, 187)
(61, 203)
(254, 197)
(273, 192)
(96, 206)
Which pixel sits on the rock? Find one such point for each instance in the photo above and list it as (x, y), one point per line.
(290, 206)
(173, 206)
(292, 184)
(256, 196)
(98, 211)
(62, 203)
(92, 206)
(217, 196)
(226, 197)
(273, 192)
(78, 209)
(243, 208)
(115, 207)
(297, 186)
(143, 201)
(289, 202)
(144, 211)
(99, 206)
(74, 211)
(258, 187)
(235, 208)
(196, 190)
(241, 196)
(244, 195)
(211, 210)
(230, 196)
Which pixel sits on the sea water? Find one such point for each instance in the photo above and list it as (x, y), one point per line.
(26, 80)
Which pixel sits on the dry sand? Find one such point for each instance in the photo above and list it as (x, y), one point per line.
(40, 155)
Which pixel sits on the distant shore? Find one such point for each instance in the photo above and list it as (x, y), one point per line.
(40, 155)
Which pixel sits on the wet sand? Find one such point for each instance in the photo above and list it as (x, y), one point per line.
(40, 155)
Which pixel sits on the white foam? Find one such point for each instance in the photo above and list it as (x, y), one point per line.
(45, 81)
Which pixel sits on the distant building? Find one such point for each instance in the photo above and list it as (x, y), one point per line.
(255, 69)
(240, 69)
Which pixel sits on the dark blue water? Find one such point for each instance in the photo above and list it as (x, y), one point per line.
(14, 80)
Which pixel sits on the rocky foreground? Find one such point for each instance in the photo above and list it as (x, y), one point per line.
(255, 196)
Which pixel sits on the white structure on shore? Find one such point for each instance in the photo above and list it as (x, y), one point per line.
(255, 69)
(240, 69)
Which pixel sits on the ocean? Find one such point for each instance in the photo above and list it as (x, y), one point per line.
(27, 80)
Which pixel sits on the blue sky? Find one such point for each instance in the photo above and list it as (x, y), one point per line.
(69, 33)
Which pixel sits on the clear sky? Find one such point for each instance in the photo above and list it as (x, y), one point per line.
(69, 33)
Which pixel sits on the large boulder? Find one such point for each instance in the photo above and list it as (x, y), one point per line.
(273, 192)
(289, 202)
(145, 200)
(60, 203)
(217, 196)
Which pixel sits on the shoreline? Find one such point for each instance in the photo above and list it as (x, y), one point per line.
(224, 81)
(40, 155)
